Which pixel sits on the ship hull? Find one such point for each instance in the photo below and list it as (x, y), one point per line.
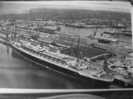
(83, 79)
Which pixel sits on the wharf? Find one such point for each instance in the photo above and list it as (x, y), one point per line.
(113, 49)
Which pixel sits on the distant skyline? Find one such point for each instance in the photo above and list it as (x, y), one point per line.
(24, 7)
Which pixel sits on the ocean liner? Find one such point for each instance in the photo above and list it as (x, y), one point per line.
(50, 55)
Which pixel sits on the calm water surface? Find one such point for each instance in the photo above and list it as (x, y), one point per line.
(16, 71)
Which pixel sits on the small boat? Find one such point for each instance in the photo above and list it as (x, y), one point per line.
(106, 39)
(103, 38)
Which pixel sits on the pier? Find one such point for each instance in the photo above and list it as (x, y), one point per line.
(113, 49)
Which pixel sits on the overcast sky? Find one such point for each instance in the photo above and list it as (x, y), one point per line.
(21, 7)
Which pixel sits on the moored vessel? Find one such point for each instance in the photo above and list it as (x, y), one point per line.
(51, 56)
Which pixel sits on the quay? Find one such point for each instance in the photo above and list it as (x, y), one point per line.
(113, 49)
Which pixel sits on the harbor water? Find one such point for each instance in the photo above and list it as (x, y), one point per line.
(18, 71)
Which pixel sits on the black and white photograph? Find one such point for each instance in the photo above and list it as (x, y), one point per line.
(66, 45)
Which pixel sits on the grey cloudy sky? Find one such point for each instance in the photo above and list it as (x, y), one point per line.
(21, 7)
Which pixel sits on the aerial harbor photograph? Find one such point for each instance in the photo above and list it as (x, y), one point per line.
(65, 45)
